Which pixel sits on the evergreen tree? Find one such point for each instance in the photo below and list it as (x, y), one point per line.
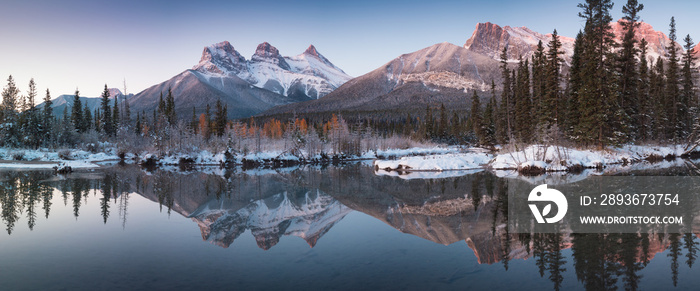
(127, 111)
(675, 109)
(31, 124)
(539, 60)
(489, 122)
(31, 95)
(627, 66)
(115, 116)
(523, 111)
(97, 122)
(9, 100)
(87, 118)
(476, 119)
(596, 95)
(645, 105)
(47, 118)
(658, 99)
(574, 86)
(161, 105)
(688, 98)
(107, 125)
(495, 118)
(219, 119)
(505, 109)
(550, 103)
(170, 107)
(77, 113)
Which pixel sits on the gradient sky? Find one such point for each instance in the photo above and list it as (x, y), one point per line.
(85, 44)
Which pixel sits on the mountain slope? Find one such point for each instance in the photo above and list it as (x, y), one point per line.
(247, 87)
(440, 73)
(445, 73)
(65, 102)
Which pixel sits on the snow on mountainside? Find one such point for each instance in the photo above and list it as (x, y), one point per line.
(246, 87)
(308, 216)
(309, 74)
(489, 39)
(444, 73)
(441, 73)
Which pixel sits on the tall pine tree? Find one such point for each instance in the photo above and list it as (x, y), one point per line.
(627, 67)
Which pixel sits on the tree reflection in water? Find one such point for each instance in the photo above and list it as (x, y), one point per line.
(308, 202)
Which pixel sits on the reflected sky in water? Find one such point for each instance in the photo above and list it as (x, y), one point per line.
(336, 228)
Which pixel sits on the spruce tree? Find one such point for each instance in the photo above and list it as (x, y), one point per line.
(107, 125)
(170, 107)
(658, 98)
(523, 111)
(688, 96)
(596, 94)
(645, 105)
(675, 110)
(489, 122)
(539, 60)
(9, 100)
(87, 118)
(219, 119)
(574, 86)
(627, 67)
(550, 103)
(476, 119)
(77, 113)
(47, 116)
(32, 121)
(115, 116)
(505, 108)
(127, 111)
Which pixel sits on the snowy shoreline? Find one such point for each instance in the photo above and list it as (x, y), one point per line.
(536, 159)
(532, 160)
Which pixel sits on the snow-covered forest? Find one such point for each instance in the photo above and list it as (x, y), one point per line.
(612, 94)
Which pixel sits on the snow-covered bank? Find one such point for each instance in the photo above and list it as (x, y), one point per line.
(442, 162)
(48, 159)
(537, 159)
(554, 158)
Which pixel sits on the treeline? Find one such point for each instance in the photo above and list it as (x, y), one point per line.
(611, 95)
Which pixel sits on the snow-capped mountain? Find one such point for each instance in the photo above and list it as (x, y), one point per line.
(247, 87)
(309, 74)
(442, 73)
(445, 73)
(308, 216)
(489, 39)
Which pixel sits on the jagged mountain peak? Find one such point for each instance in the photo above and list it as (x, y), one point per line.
(311, 50)
(266, 50)
(221, 58)
(489, 39)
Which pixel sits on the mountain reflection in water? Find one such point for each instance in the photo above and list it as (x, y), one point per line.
(309, 202)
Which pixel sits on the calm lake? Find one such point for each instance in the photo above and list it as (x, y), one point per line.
(335, 228)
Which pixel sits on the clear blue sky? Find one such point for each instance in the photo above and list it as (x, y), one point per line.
(85, 44)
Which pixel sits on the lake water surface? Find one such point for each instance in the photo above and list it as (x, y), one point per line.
(337, 228)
